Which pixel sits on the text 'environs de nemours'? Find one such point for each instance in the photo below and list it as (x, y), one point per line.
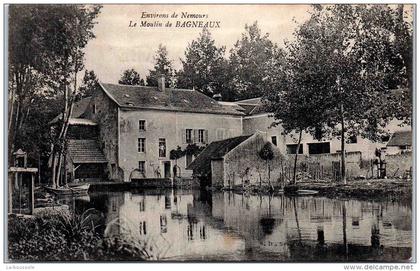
(175, 19)
(182, 15)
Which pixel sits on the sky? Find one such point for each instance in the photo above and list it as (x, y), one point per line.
(118, 47)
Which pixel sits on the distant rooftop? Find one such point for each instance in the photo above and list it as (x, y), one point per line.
(401, 138)
(79, 108)
(252, 106)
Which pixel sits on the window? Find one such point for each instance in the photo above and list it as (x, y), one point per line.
(142, 125)
(202, 136)
(142, 205)
(385, 138)
(188, 158)
(291, 148)
(188, 136)
(141, 145)
(142, 228)
(318, 148)
(163, 224)
(162, 147)
(405, 147)
(352, 139)
(142, 167)
(274, 140)
(93, 108)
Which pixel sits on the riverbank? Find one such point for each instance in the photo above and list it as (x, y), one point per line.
(389, 189)
(65, 236)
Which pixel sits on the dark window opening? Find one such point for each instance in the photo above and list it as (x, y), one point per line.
(385, 138)
(188, 136)
(142, 125)
(318, 148)
(141, 145)
(188, 158)
(142, 167)
(352, 139)
(93, 108)
(274, 140)
(291, 148)
(201, 136)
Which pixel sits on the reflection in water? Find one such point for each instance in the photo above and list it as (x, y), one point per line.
(197, 225)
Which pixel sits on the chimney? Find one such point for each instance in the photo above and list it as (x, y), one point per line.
(217, 97)
(161, 83)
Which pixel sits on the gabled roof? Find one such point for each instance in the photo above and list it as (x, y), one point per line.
(215, 150)
(85, 152)
(79, 108)
(184, 100)
(401, 138)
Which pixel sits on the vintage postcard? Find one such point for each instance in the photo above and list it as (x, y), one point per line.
(210, 133)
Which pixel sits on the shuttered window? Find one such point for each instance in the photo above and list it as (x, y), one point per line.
(195, 136)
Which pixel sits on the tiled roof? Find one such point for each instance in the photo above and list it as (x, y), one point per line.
(401, 138)
(85, 152)
(79, 108)
(217, 149)
(252, 106)
(253, 101)
(141, 97)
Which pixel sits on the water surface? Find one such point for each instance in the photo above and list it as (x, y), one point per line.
(194, 225)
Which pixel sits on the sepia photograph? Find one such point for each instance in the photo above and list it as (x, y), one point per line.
(226, 133)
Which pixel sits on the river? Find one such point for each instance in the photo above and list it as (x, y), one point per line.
(192, 225)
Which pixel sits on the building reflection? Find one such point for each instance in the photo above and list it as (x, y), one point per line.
(201, 225)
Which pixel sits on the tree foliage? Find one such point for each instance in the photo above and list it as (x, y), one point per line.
(204, 67)
(163, 67)
(339, 71)
(254, 61)
(89, 84)
(130, 77)
(46, 45)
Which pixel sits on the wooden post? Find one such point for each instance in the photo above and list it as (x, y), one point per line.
(10, 192)
(31, 193)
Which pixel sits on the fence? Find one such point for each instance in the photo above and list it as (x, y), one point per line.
(328, 166)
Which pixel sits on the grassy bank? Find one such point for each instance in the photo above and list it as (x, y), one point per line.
(66, 237)
(392, 189)
(389, 189)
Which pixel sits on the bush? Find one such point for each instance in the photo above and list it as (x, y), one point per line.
(65, 237)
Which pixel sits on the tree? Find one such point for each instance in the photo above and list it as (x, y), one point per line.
(205, 68)
(266, 153)
(130, 77)
(294, 97)
(163, 67)
(253, 60)
(46, 51)
(344, 56)
(89, 85)
(25, 81)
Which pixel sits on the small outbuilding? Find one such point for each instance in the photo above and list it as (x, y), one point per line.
(239, 161)
(400, 142)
